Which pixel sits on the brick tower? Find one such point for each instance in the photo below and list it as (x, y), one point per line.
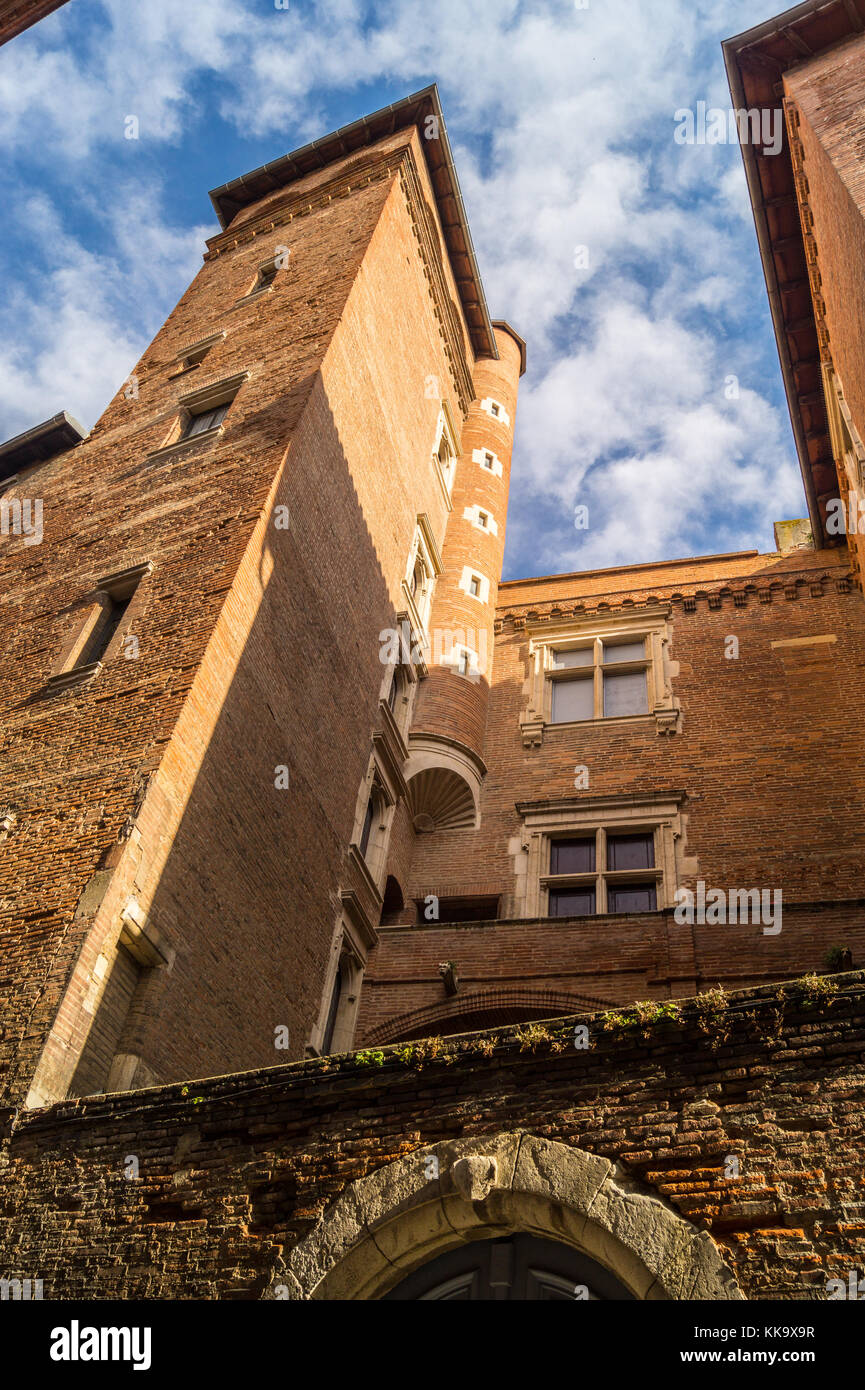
(449, 723)
(203, 751)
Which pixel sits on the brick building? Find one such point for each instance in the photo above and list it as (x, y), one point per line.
(289, 776)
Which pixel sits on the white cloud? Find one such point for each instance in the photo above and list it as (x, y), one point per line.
(562, 124)
(83, 318)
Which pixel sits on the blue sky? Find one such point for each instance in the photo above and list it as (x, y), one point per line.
(562, 124)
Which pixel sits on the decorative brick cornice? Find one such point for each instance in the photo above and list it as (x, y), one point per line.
(301, 204)
(792, 585)
(806, 218)
(447, 315)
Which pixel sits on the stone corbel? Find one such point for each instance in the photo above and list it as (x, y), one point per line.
(532, 729)
(668, 721)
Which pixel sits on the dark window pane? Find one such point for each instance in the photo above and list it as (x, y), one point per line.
(392, 693)
(630, 852)
(464, 909)
(367, 825)
(573, 699)
(572, 856)
(632, 897)
(572, 902)
(266, 277)
(582, 656)
(207, 420)
(100, 638)
(626, 693)
(625, 651)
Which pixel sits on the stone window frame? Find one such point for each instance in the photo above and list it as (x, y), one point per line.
(375, 783)
(579, 818)
(469, 573)
(424, 550)
(257, 288)
(473, 514)
(216, 393)
(406, 678)
(847, 446)
(446, 433)
(654, 626)
(496, 467)
(68, 669)
(346, 947)
(495, 410)
(461, 655)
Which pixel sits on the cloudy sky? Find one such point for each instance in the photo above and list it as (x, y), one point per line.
(628, 261)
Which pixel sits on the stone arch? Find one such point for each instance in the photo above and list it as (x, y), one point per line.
(403, 1215)
(486, 1008)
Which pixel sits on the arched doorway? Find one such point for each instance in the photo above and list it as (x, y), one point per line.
(518, 1268)
(460, 1193)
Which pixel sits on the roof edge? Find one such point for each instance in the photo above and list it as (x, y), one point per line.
(242, 191)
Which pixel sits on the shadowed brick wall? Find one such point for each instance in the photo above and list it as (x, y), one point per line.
(232, 1172)
(257, 644)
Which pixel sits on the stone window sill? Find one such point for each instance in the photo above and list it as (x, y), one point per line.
(67, 680)
(205, 437)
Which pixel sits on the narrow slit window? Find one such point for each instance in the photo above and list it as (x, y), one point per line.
(333, 1007)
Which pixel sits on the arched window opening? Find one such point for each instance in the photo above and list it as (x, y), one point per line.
(393, 903)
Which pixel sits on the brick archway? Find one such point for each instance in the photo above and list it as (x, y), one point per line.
(486, 1008)
(407, 1213)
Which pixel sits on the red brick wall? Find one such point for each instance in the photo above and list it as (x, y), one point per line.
(766, 754)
